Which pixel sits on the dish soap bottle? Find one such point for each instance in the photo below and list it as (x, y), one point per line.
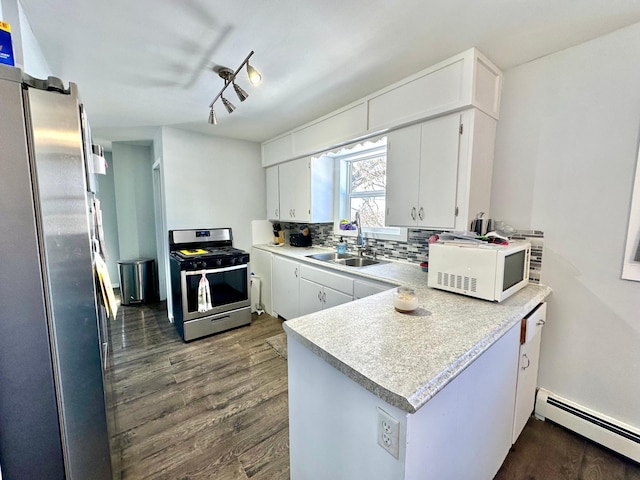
(342, 246)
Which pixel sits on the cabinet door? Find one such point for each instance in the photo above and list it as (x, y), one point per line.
(273, 194)
(286, 185)
(294, 183)
(528, 369)
(285, 287)
(262, 266)
(333, 298)
(403, 170)
(439, 172)
(310, 297)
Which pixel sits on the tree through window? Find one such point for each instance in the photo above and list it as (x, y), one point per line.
(367, 186)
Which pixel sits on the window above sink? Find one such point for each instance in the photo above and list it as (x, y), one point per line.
(361, 187)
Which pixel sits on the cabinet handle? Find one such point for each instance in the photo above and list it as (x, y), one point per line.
(421, 213)
(296, 272)
(413, 213)
(294, 213)
(324, 297)
(540, 322)
(319, 296)
(290, 213)
(528, 362)
(276, 213)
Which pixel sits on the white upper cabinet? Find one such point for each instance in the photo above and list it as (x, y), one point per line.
(337, 127)
(422, 173)
(302, 189)
(465, 80)
(439, 172)
(273, 193)
(403, 179)
(277, 150)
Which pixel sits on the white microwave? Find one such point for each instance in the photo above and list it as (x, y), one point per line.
(488, 271)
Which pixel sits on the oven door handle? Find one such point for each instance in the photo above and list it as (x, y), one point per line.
(215, 270)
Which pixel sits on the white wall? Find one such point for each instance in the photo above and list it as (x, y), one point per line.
(566, 148)
(106, 195)
(134, 201)
(161, 223)
(212, 182)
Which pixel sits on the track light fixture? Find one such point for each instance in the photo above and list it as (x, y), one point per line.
(229, 77)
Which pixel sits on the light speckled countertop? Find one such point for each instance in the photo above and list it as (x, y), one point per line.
(405, 359)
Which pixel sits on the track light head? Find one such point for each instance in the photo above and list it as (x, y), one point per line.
(212, 117)
(254, 75)
(242, 95)
(228, 105)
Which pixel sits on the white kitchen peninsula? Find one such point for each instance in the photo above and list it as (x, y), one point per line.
(447, 373)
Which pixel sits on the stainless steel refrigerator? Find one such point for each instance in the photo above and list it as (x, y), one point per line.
(53, 418)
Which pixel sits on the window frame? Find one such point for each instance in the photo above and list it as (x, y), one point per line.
(362, 151)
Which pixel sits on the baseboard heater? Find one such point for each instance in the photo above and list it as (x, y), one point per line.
(604, 430)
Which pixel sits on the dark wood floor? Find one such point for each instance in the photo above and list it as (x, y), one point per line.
(545, 451)
(216, 408)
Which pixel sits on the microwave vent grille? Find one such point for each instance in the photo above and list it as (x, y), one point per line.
(459, 282)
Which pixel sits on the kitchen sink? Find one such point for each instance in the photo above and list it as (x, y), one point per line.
(356, 262)
(331, 256)
(345, 259)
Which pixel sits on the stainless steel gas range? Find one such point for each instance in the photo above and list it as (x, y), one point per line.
(209, 282)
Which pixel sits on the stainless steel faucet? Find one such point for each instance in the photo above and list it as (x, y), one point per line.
(360, 243)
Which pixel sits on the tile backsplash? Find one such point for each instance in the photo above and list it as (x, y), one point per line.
(415, 249)
(536, 238)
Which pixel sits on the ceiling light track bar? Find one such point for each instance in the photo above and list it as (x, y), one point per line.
(228, 80)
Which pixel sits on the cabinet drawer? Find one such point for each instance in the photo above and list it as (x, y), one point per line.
(329, 279)
(534, 323)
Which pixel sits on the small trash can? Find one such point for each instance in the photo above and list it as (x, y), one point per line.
(138, 281)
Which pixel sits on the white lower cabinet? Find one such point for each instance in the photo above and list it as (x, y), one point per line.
(295, 288)
(463, 432)
(320, 289)
(530, 336)
(315, 297)
(285, 291)
(262, 266)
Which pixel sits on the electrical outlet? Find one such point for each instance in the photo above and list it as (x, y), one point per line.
(388, 433)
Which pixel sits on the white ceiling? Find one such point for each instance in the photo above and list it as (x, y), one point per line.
(145, 63)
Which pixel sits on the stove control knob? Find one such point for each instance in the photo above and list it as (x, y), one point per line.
(218, 262)
(194, 265)
(232, 260)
